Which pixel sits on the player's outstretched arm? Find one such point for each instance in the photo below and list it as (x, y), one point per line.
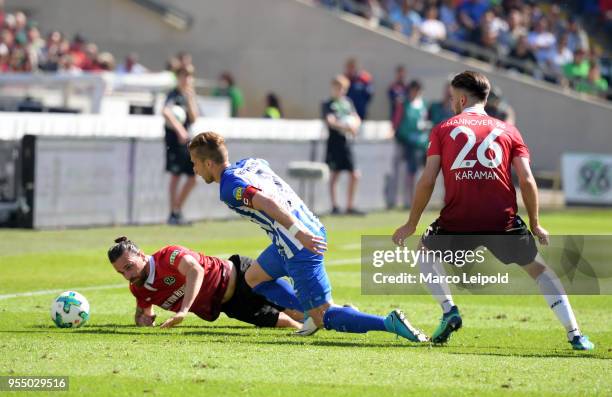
(529, 192)
(194, 275)
(422, 195)
(262, 202)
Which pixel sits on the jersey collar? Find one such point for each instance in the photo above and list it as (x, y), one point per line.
(475, 109)
(151, 278)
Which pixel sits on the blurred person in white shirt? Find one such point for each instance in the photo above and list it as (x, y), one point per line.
(432, 29)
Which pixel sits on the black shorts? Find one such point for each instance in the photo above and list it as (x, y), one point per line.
(178, 161)
(246, 305)
(515, 245)
(340, 157)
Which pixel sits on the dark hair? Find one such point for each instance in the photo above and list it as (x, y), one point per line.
(415, 85)
(227, 76)
(122, 244)
(273, 101)
(476, 84)
(209, 146)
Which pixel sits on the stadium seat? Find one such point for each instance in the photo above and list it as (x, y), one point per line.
(308, 173)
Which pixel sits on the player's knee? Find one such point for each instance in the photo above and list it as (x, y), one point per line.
(251, 279)
(255, 275)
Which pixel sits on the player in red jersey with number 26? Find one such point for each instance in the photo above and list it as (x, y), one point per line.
(476, 153)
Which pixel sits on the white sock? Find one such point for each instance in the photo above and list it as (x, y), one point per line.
(555, 296)
(440, 291)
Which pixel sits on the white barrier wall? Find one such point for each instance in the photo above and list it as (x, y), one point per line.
(104, 181)
(16, 125)
(81, 182)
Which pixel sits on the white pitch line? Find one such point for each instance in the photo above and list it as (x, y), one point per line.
(338, 262)
(335, 262)
(350, 247)
(59, 290)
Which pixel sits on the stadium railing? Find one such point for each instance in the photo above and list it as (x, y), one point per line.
(98, 93)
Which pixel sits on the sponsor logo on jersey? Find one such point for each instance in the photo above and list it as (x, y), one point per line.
(169, 280)
(237, 193)
(176, 295)
(173, 256)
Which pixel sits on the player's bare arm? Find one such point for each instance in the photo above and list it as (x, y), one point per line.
(262, 202)
(529, 192)
(144, 317)
(194, 275)
(424, 190)
(354, 126)
(192, 106)
(333, 122)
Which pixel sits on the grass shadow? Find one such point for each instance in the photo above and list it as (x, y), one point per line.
(282, 336)
(521, 352)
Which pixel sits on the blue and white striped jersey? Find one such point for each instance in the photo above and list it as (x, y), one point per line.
(239, 179)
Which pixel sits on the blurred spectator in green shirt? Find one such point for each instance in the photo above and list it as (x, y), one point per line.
(227, 88)
(579, 68)
(594, 84)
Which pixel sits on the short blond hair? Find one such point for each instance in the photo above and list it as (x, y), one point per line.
(341, 81)
(209, 146)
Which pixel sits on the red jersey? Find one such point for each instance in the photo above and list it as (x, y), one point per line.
(476, 153)
(165, 285)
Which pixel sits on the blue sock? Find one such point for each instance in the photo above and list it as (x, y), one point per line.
(347, 319)
(279, 292)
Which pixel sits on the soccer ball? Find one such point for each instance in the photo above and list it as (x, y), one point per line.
(70, 310)
(179, 113)
(349, 121)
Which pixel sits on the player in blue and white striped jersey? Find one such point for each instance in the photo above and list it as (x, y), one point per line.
(240, 181)
(250, 188)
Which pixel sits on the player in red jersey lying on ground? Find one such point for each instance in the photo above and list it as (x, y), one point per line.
(178, 279)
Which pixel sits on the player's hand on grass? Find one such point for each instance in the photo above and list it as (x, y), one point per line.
(402, 233)
(145, 321)
(541, 234)
(314, 244)
(174, 320)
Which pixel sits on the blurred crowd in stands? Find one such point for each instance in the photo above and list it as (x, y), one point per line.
(24, 49)
(543, 39)
(540, 38)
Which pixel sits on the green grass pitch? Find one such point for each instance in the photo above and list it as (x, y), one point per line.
(510, 345)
